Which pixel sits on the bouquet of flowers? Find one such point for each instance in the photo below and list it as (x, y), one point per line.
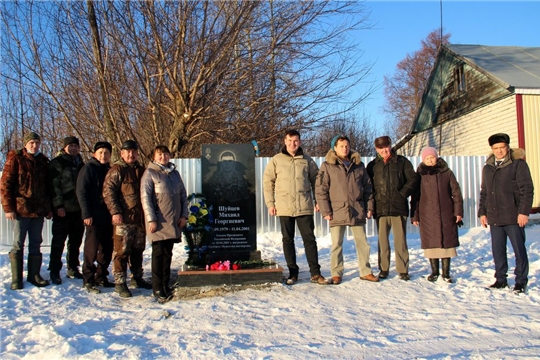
(239, 265)
(197, 230)
(200, 215)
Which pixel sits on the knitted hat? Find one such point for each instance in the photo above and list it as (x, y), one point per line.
(31, 136)
(499, 138)
(70, 140)
(382, 142)
(102, 144)
(338, 138)
(429, 151)
(333, 142)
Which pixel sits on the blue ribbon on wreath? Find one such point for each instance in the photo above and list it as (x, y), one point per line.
(201, 251)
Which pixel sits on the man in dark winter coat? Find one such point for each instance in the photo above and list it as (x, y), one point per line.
(122, 194)
(506, 198)
(26, 201)
(98, 245)
(67, 222)
(394, 180)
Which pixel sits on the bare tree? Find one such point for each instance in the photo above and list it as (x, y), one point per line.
(403, 90)
(182, 73)
(356, 127)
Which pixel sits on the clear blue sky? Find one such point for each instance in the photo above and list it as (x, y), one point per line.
(401, 25)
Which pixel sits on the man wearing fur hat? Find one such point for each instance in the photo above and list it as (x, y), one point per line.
(67, 221)
(26, 201)
(506, 197)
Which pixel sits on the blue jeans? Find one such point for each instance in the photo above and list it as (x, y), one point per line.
(516, 234)
(31, 226)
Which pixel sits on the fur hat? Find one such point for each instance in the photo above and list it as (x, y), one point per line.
(499, 138)
(70, 140)
(102, 144)
(429, 151)
(382, 141)
(31, 136)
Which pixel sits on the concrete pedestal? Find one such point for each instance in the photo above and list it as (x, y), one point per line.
(196, 278)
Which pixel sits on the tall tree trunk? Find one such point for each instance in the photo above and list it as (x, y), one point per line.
(110, 132)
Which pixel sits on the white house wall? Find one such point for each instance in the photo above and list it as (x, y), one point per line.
(468, 134)
(531, 122)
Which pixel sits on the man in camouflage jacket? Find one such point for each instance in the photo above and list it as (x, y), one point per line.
(122, 194)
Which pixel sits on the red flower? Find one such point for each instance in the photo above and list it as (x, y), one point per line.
(236, 267)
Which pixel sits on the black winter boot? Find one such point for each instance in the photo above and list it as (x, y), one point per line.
(434, 270)
(55, 277)
(120, 286)
(122, 290)
(137, 281)
(446, 270)
(34, 266)
(16, 259)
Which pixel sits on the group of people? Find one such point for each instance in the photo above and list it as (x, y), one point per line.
(122, 205)
(118, 206)
(347, 193)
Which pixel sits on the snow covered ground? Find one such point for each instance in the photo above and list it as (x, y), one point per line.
(355, 320)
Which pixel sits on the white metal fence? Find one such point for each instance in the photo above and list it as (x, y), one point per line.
(468, 170)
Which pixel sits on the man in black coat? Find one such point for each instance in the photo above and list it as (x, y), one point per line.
(394, 180)
(98, 245)
(67, 222)
(506, 198)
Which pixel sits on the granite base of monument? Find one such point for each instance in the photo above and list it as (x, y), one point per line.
(194, 278)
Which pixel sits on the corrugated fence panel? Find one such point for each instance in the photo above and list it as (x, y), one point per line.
(468, 170)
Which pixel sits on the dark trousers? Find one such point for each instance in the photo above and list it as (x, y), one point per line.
(71, 226)
(98, 248)
(306, 226)
(161, 263)
(516, 234)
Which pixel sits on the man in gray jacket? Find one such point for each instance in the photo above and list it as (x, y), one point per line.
(506, 197)
(289, 183)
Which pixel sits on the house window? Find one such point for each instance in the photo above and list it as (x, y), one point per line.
(459, 79)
